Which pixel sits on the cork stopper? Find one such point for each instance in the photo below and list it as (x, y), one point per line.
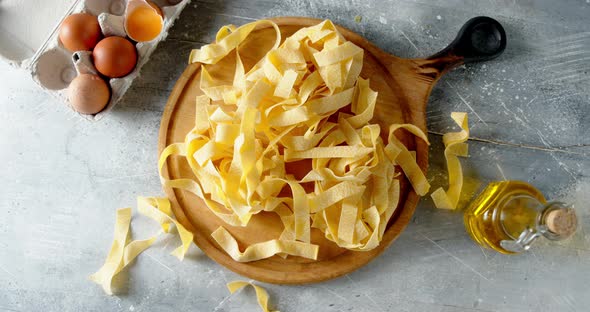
(562, 222)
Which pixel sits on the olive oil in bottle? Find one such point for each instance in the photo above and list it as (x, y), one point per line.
(509, 215)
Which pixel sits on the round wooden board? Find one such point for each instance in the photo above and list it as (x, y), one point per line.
(403, 86)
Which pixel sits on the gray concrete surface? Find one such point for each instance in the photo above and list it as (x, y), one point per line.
(63, 177)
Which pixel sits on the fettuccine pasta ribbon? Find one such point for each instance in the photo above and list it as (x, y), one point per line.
(454, 146)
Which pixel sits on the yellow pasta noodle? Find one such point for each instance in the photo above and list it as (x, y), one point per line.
(261, 293)
(159, 210)
(113, 263)
(123, 253)
(263, 250)
(454, 146)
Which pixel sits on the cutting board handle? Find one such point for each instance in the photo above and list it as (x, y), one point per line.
(482, 38)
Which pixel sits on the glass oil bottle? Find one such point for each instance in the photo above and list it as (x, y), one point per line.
(509, 215)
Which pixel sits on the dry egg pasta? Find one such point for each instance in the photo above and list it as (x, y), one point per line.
(278, 112)
(454, 146)
(261, 293)
(123, 253)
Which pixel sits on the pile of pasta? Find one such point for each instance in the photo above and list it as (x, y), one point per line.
(303, 102)
(302, 105)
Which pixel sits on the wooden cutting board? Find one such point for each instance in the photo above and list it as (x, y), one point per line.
(404, 86)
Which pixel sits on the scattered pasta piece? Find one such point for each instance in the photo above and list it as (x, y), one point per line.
(122, 254)
(454, 146)
(113, 263)
(261, 293)
(159, 210)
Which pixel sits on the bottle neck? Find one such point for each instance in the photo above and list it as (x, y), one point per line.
(525, 218)
(557, 221)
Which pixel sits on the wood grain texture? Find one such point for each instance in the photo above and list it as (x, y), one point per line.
(403, 86)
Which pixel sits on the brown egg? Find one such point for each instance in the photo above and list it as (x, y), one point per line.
(80, 32)
(88, 94)
(114, 57)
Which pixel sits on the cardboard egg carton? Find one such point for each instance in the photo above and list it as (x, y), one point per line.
(24, 41)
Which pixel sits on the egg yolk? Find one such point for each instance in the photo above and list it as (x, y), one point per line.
(144, 24)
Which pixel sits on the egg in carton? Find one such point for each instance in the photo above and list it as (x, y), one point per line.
(54, 67)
